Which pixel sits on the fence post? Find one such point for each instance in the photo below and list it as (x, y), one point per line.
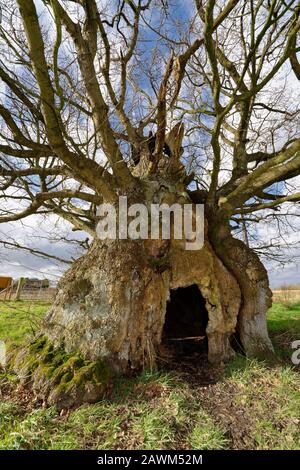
(10, 289)
(19, 288)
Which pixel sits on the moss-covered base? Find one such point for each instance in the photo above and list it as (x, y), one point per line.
(58, 378)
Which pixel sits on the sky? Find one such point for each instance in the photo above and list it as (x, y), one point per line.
(43, 234)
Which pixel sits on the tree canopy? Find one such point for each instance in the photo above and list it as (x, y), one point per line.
(92, 89)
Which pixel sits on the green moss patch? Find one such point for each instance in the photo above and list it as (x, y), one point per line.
(63, 379)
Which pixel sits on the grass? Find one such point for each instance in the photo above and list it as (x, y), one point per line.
(284, 327)
(206, 434)
(252, 406)
(284, 317)
(20, 319)
(268, 400)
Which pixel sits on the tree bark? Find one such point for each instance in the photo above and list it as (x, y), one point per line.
(112, 303)
(252, 278)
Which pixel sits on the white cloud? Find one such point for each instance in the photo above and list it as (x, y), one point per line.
(41, 234)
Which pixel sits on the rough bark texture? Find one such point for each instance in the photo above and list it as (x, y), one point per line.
(252, 278)
(112, 303)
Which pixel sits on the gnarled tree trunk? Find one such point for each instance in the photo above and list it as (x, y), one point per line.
(112, 302)
(111, 305)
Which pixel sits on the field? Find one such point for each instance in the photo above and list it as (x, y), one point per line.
(286, 295)
(243, 405)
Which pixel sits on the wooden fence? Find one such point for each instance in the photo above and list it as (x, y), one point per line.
(286, 295)
(45, 295)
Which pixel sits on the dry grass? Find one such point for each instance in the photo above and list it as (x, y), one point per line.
(286, 295)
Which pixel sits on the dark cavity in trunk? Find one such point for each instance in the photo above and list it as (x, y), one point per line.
(184, 333)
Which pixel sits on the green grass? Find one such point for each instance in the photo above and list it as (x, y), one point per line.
(284, 327)
(19, 320)
(282, 317)
(269, 401)
(252, 406)
(206, 434)
(145, 415)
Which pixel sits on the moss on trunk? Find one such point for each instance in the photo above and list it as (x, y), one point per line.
(60, 378)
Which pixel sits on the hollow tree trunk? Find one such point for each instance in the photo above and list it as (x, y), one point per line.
(111, 306)
(112, 302)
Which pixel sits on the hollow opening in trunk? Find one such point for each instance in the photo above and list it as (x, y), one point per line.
(184, 332)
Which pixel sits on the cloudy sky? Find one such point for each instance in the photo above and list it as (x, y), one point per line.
(47, 235)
